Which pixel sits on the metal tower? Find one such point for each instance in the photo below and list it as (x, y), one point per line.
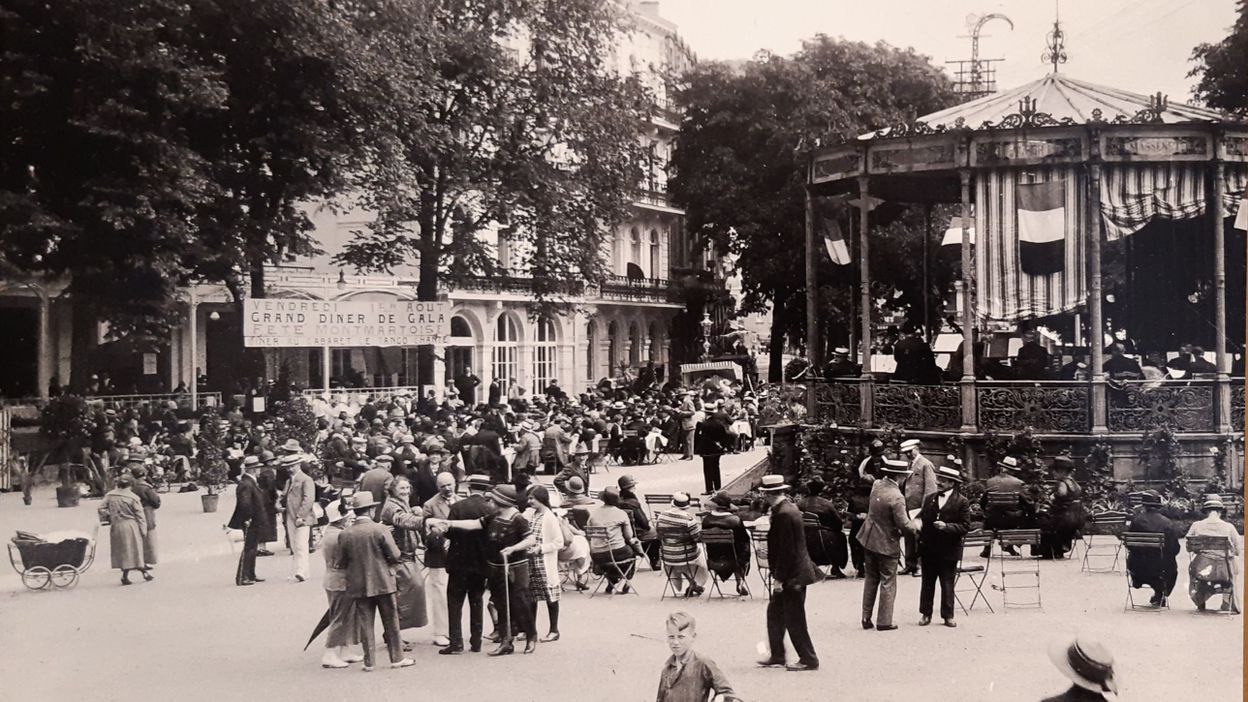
(977, 77)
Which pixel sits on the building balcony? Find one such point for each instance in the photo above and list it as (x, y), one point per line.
(624, 288)
(665, 109)
(656, 200)
(616, 288)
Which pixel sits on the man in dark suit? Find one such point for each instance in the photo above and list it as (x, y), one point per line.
(467, 569)
(915, 361)
(1149, 568)
(1015, 516)
(880, 537)
(791, 572)
(945, 519)
(252, 518)
(367, 553)
(711, 439)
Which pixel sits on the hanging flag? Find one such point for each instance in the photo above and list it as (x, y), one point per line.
(834, 240)
(953, 235)
(1241, 219)
(1042, 227)
(872, 202)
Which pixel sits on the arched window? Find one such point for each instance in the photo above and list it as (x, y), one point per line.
(545, 368)
(635, 241)
(460, 328)
(591, 337)
(613, 348)
(634, 346)
(655, 260)
(506, 351)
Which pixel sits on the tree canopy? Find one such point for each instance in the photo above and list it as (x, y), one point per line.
(740, 156)
(1221, 69)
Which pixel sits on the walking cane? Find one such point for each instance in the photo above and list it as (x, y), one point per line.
(507, 598)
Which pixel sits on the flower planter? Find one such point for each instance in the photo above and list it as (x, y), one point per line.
(210, 502)
(67, 496)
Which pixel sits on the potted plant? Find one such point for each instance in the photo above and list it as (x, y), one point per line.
(210, 455)
(68, 423)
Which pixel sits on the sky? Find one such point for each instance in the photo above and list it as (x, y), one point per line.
(1139, 45)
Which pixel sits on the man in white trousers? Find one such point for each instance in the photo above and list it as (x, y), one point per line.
(300, 496)
(439, 507)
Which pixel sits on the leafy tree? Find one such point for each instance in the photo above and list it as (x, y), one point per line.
(522, 124)
(739, 163)
(1221, 69)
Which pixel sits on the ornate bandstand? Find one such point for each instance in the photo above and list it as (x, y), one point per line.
(1118, 162)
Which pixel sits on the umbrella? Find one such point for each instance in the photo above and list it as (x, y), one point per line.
(321, 626)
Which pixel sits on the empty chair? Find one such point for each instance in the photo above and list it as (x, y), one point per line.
(976, 573)
(1021, 572)
(1101, 542)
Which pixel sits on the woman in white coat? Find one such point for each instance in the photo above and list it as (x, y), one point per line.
(545, 541)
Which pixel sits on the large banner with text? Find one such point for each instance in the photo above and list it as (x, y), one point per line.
(284, 322)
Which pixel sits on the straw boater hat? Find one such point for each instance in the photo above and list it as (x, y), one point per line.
(290, 460)
(909, 444)
(384, 458)
(1087, 663)
(291, 446)
(1150, 498)
(840, 351)
(773, 483)
(251, 462)
(953, 460)
(1213, 502)
(1009, 463)
(333, 513)
(898, 467)
(479, 482)
(951, 473)
(679, 499)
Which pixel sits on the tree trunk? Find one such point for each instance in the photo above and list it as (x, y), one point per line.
(775, 367)
(427, 287)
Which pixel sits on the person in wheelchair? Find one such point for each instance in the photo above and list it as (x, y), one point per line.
(1211, 574)
(734, 562)
(828, 548)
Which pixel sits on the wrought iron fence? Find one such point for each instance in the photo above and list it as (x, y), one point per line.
(923, 407)
(838, 401)
(1237, 404)
(346, 395)
(1048, 408)
(1136, 406)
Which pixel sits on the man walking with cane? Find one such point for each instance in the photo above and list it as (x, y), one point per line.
(791, 571)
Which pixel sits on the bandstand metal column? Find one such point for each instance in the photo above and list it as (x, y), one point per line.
(1223, 385)
(967, 384)
(864, 265)
(1096, 333)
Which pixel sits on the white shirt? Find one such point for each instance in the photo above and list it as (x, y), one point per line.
(942, 498)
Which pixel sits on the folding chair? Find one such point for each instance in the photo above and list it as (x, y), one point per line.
(1109, 526)
(1219, 548)
(1234, 504)
(601, 556)
(818, 540)
(656, 502)
(677, 550)
(723, 544)
(1024, 567)
(758, 537)
(1142, 542)
(976, 573)
(594, 494)
(1136, 500)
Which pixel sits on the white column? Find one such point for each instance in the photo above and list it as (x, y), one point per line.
(43, 371)
(327, 365)
(194, 329)
(439, 369)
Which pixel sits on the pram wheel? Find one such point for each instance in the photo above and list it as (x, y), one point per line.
(36, 578)
(64, 576)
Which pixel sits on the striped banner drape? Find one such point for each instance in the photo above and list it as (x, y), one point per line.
(1132, 195)
(1004, 292)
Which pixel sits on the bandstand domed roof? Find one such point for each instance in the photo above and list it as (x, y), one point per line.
(1060, 100)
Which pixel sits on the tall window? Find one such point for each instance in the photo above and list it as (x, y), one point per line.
(506, 351)
(591, 336)
(544, 354)
(504, 250)
(655, 259)
(635, 241)
(613, 348)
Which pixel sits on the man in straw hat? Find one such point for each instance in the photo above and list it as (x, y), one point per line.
(917, 488)
(791, 571)
(299, 497)
(1211, 573)
(1148, 567)
(945, 518)
(999, 517)
(367, 552)
(1088, 665)
(343, 630)
(250, 516)
(880, 537)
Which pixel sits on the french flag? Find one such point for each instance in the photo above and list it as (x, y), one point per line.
(1042, 227)
(834, 240)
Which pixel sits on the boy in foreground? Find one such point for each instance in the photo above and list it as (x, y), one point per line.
(687, 677)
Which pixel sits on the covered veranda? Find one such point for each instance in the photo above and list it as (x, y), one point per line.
(1119, 164)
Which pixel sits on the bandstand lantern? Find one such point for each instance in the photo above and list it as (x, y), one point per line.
(1114, 161)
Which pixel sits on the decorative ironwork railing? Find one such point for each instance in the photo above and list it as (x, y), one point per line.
(620, 287)
(512, 284)
(657, 198)
(1048, 408)
(1237, 404)
(838, 401)
(1146, 405)
(921, 407)
(347, 395)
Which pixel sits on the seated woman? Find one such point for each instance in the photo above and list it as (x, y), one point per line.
(733, 561)
(614, 557)
(1065, 516)
(1208, 573)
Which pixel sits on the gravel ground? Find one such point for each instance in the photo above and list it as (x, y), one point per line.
(191, 635)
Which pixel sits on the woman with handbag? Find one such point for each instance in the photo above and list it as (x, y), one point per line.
(546, 535)
(1212, 574)
(123, 512)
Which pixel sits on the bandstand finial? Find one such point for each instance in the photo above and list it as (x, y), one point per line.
(1055, 41)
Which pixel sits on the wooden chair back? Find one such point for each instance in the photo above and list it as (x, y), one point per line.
(1144, 540)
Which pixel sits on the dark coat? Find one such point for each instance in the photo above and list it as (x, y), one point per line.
(1148, 567)
(366, 551)
(828, 547)
(466, 551)
(711, 438)
(721, 563)
(944, 545)
(915, 362)
(786, 547)
(249, 508)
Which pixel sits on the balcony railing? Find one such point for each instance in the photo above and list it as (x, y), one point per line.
(615, 287)
(656, 198)
(666, 108)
